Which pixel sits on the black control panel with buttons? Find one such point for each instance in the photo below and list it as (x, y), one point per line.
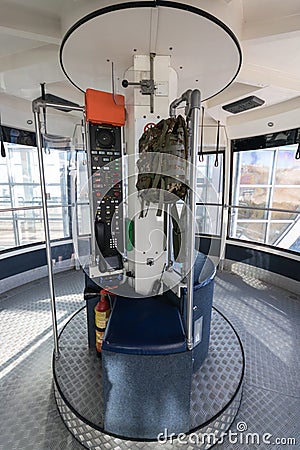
(106, 170)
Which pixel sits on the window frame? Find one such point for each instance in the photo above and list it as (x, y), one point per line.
(24, 138)
(219, 205)
(256, 143)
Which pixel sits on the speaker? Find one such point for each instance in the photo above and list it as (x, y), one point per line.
(105, 137)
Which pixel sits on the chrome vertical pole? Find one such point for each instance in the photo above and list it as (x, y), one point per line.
(36, 111)
(194, 114)
(152, 56)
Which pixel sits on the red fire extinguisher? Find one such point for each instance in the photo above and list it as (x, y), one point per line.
(102, 312)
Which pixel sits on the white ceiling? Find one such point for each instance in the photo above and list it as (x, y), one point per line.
(31, 34)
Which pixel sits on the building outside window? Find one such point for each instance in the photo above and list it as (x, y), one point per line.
(21, 219)
(264, 205)
(266, 197)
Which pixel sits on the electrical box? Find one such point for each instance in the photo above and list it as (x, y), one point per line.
(104, 107)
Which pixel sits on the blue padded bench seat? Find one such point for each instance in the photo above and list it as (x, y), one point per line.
(144, 326)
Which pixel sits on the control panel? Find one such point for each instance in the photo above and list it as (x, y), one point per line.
(107, 195)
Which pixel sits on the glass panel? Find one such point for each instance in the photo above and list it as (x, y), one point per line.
(249, 231)
(59, 222)
(83, 209)
(5, 200)
(276, 232)
(56, 176)
(56, 164)
(55, 212)
(82, 171)
(255, 166)
(255, 196)
(251, 214)
(209, 219)
(267, 179)
(57, 229)
(83, 214)
(21, 167)
(282, 216)
(3, 168)
(296, 246)
(210, 180)
(30, 227)
(7, 236)
(26, 195)
(287, 172)
(286, 198)
(284, 230)
(23, 163)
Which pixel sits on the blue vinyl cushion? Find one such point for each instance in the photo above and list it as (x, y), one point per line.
(144, 326)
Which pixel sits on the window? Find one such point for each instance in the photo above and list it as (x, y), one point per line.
(209, 194)
(82, 190)
(265, 201)
(21, 219)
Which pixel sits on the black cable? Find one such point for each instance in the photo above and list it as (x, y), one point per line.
(217, 146)
(3, 153)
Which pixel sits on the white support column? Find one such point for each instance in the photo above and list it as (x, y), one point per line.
(149, 230)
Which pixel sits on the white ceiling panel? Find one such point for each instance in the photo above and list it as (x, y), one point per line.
(281, 54)
(52, 7)
(10, 45)
(30, 36)
(259, 10)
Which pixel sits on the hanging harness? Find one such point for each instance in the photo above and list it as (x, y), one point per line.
(163, 171)
(162, 164)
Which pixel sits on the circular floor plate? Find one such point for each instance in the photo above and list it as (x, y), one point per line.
(215, 396)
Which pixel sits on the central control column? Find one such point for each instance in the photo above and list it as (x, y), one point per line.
(106, 171)
(105, 114)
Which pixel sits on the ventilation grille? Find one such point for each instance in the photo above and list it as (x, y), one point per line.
(244, 104)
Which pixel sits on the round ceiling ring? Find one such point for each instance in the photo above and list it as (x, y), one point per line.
(134, 5)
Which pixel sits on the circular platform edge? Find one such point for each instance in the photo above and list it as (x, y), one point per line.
(74, 421)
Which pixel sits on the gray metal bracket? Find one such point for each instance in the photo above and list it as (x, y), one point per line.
(147, 86)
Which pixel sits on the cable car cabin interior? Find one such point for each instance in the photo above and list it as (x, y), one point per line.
(149, 244)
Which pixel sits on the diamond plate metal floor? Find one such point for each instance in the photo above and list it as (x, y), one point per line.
(29, 419)
(266, 318)
(215, 394)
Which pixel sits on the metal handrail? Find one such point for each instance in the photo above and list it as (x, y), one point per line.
(36, 107)
(291, 211)
(32, 208)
